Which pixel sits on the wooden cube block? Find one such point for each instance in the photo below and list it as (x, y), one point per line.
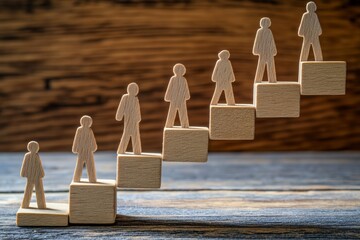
(322, 78)
(276, 100)
(232, 122)
(186, 144)
(92, 203)
(139, 171)
(54, 215)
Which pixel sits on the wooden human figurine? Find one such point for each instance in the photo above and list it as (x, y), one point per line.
(310, 30)
(84, 146)
(265, 48)
(177, 94)
(223, 76)
(129, 109)
(32, 169)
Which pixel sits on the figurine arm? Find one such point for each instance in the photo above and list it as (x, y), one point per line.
(215, 73)
(187, 91)
(273, 45)
(318, 26)
(138, 111)
(232, 76)
(121, 109)
(75, 142)
(23, 172)
(94, 145)
(301, 27)
(41, 169)
(169, 90)
(256, 50)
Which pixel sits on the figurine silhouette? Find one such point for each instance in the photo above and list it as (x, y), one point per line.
(32, 169)
(223, 76)
(84, 146)
(129, 109)
(310, 30)
(177, 94)
(265, 48)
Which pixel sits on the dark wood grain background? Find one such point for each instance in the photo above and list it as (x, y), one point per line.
(60, 60)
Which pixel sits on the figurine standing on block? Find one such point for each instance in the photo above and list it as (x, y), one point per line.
(318, 77)
(129, 109)
(52, 214)
(138, 170)
(182, 143)
(229, 121)
(265, 48)
(177, 94)
(272, 99)
(84, 146)
(223, 76)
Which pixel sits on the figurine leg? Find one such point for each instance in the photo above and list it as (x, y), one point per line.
(216, 96)
(78, 169)
(229, 95)
(317, 50)
(260, 71)
(40, 195)
(27, 194)
(305, 49)
(271, 71)
(123, 142)
(171, 117)
(136, 141)
(183, 115)
(90, 167)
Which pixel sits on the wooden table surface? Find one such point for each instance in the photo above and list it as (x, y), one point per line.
(248, 195)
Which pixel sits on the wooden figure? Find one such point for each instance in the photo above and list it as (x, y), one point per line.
(92, 203)
(272, 99)
(265, 48)
(138, 170)
(177, 94)
(129, 109)
(229, 121)
(42, 214)
(318, 77)
(223, 76)
(84, 146)
(185, 143)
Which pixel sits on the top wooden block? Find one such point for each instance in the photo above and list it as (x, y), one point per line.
(322, 77)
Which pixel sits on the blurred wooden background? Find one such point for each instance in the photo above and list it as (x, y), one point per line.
(60, 60)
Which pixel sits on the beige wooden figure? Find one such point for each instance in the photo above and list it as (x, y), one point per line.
(310, 30)
(32, 169)
(84, 146)
(223, 76)
(265, 48)
(129, 110)
(177, 94)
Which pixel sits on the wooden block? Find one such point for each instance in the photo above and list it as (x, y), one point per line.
(92, 203)
(185, 144)
(55, 214)
(323, 77)
(139, 171)
(281, 99)
(232, 122)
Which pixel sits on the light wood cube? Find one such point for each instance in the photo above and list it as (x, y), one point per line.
(93, 203)
(54, 215)
(232, 122)
(322, 78)
(186, 144)
(139, 171)
(277, 100)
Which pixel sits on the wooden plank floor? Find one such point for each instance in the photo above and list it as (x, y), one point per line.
(234, 195)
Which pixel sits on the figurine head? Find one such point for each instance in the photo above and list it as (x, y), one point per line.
(179, 69)
(133, 89)
(265, 22)
(86, 121)
(33, 147)
(311, 7)
(224, 55)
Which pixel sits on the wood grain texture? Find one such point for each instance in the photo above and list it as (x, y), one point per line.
(322, 78)
(235, 122)
(139, 171)
(68, 59)
(185, 144)
(277, 100)
(54, 215)
(92, 203)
